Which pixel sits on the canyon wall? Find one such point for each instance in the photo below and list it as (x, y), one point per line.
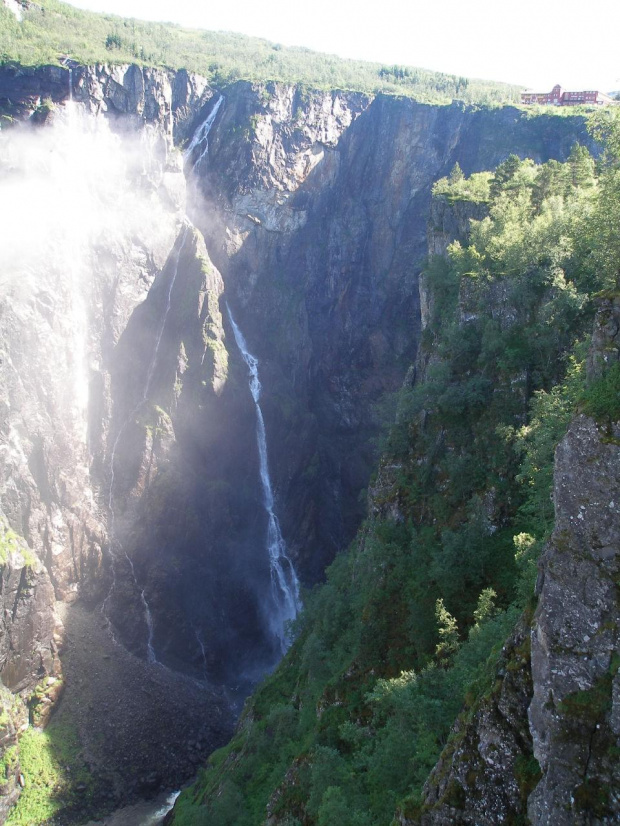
(129, 461)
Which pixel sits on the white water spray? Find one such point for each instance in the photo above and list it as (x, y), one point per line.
(285, 599)
(15, 7)
(201, 135)
(78, 183)
(150, 650)
(157, 817)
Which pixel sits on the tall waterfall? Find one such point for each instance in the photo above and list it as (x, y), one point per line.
(285, 600)
(202, 134)
(151, 657)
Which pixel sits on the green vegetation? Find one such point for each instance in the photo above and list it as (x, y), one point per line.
(602, 399)
(56, 778)
(407, 631)
(456, 187)
(12, 545)
(51, 29)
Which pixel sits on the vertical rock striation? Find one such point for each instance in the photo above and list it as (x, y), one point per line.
(574, 715)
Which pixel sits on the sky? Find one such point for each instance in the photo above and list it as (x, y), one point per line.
(535, 43)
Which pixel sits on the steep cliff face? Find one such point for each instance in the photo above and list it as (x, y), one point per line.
(29, 658)
(66, 300)
(105, 194)
(128, 95)
(575, 641)
(543, 744)
(314, 208)
(315, 211)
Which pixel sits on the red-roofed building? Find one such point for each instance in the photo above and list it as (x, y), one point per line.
(558, 97)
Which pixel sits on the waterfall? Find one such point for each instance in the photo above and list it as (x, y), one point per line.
(151, 657)
(203, 651)
(202, 134)
(285, 599)
(150, 651)
(151, 372)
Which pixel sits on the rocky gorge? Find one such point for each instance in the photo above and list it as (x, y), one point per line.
(133, 517)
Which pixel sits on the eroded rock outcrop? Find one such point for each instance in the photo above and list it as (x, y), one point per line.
(28, 649)
(544, 744)
(30, 668)
(574, 715)
(129, 95)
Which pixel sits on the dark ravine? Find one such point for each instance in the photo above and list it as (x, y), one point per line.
(311, 211)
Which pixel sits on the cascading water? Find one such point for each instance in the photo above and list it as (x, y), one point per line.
(203, 651)
(151, 657)
(202, 135)
(53, 260)
(285, 600)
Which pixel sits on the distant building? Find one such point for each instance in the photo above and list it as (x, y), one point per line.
(558, 97)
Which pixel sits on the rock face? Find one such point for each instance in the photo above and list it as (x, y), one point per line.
(29, 634)
(28, 652)
(129, 95)
(574, 714)
(65, 301)
(485, 774)
(544, 745)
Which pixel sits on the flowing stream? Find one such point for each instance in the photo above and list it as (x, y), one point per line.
(202, 134)
(150, 813)
(150, 650)
(285, 600)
